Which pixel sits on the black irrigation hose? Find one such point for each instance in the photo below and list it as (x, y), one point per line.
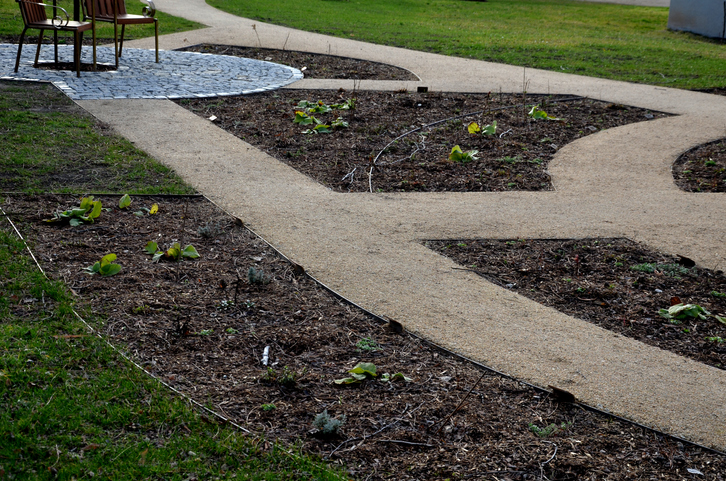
(376, 317)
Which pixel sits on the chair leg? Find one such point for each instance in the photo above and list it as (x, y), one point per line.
(77, 45)
(121, 43)
(156, 35)
(37, 52)
(55, 46)
(20, 48)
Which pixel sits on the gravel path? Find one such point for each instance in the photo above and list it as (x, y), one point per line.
(366, 246)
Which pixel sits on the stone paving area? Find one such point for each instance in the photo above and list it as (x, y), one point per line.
(177, 75)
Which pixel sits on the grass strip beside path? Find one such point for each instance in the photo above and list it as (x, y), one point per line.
(596, 39)
(49, 144)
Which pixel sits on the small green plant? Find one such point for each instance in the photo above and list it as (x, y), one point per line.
(347, 105)
(489, 129)
(681, 312)
(537, 113)
(287, 377)
(175, 252)
(672, 270)
(304, 119)
(206, 332)
(86, 212)
(257, 277)
(368, 370)
(225, 305)
(124, 202)
(209, 230)
(144, 211)
(327, 425)
(231, 330)
(105, 266)
(268, 407)
(547, 431)
(718, 294)
(319, 129)
(717, 339)
(367, 344)
(339, 123)
(510, 160)
(457, 155)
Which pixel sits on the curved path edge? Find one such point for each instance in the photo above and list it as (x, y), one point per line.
(368, 247)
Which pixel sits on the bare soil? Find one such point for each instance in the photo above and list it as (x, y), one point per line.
(401, 141)
(616, 284)
(203, 327)
(702, 169)
(313, 66)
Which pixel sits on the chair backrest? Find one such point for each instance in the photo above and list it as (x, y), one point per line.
(104, 8)
(32, 11)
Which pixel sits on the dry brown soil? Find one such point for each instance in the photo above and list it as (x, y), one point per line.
(201, 326)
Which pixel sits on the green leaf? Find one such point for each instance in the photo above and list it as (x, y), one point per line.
(151, 247)
(347, 380)
(339, 123)
(157, 256)
(96, 211)
(537, 113)
(364, 368)
(124, 202)
(395, 377)
(110, 270)
(107, 259)
(490, 129)
(86, 203)
(93, 269)
(303, 119)
(721, 319)
(456, 154)
(75, 222)
(190, 251)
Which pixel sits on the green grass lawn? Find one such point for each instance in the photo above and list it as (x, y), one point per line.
(596, 39)
(11, 23)
(66, 150)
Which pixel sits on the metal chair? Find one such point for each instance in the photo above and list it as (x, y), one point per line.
(114, 11)
(35, 16)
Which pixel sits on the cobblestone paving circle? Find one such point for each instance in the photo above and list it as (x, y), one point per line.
(177, 75)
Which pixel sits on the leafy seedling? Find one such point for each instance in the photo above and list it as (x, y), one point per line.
(537, 114)
(327, 425)
(318, 129)
(320, 108)
(105, 266)
(339, 123)
(175, 252)
(144, 211)
(347, 105)
(361, 372)
(717, 339)
(257, 277)
(88, 210)
(124, 202)
(548, 431)
(304, 119)
(489, 129)
(385, 377)
(457, 155)
(682, 312)
(367, 344)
